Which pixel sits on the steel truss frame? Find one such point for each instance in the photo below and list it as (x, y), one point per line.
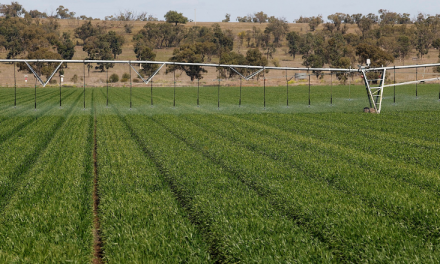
(374, 93)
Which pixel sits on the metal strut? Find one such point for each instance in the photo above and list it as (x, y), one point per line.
(246, 77)
(149, 78)
(35, 74)
(375, 93)
(38, 77)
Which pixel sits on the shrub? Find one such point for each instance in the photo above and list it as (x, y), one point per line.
(124, 80)
(128, 28)
(74, 79)
(136, 80)
(113, 78)
(126, 76)
(276, 62)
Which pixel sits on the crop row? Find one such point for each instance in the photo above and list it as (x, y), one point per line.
(405, 159)
(349, 225)
(19, 150)
(26, 98)
(415, 125)
(139, 217)
(252, 99)
(237, 223)
(390, 194)
(208, 187)
(8, 110)
(21, 118)
(417, 150)
(46, 191)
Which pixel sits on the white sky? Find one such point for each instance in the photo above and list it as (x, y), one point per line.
(214, 11)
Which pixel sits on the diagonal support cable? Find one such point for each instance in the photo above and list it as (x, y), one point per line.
(253, 74)
(35, 74)
(290, 78)
(149, 78)
(367, 86)
(246, 77)
(411, 82)
(38, 77)
(50, 78)
(145, 81)
(237, 72)
(375, 93)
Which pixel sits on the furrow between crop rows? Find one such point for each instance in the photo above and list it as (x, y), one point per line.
(24, 99)
(182, 197)
(47, 218)
(23, 110)
(97, 238)
(394, 147)
(22, 150)
(238, 229)
(13, 125)
(291, 190)
(399, 123)
(396, 199)
(402, 172)
(140, 218)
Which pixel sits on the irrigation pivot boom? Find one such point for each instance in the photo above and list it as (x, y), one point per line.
(374, 87)
(375, 92)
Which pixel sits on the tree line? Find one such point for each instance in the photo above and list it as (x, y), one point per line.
(382, 38)
(17, 10)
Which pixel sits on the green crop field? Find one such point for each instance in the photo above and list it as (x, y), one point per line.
(227, 181)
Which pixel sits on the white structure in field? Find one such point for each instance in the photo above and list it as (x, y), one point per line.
(374, 87)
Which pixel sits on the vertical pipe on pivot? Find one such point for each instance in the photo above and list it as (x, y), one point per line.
(349, 90)
(107, 86)
(331, 88)
(394, 83)
(129, 66)
(309, 89)
(416, 80)
(35, 94)
(264, 88)
(239, 100)
(349, 87)
(151, 86)
(60, 90)
(174, 93)
(84, 92)
(15, 88)
(218, 90)
(287, 90)
(198, 92)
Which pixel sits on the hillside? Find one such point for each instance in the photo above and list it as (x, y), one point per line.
(97, 78)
